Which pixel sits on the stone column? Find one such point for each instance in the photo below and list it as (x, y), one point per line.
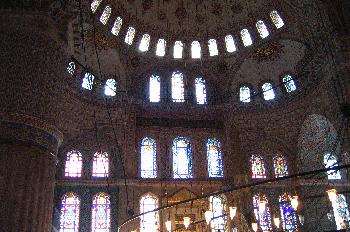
(32, 66)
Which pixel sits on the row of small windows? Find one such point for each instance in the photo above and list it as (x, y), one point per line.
(150, 222)
(267, 88)
(182, 160)
(178, 45)
(258, 166)
(177, 88)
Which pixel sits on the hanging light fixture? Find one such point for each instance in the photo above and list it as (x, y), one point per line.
(255, 226)
(332, 195)
(294, 202)
(187, 221)
(233, 211)
(168, 225)
(276, 220)
(208, 216)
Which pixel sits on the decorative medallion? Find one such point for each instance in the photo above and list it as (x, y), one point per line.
(268, 52)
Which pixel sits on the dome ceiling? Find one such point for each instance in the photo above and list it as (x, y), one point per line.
(192, 19)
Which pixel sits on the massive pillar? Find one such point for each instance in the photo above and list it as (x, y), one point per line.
(32, 65)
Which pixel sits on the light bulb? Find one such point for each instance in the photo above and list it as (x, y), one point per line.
(276, 220)
(187, 222)
(233, 211)
(255, 226)
(208, 216)
(332, 195)
(168, 225)
(294, 202)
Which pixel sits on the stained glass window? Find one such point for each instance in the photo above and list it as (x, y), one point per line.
(263, 216)
(130, 34)
(154, 88)
(117, 26)
(144, 44)
(230, 44)
(262, 29)
(280, 166)
(71, 68)
(276, 19)
(101, 213)
(331, 161)
(268, 91)
(182, 158)
(244, 94)
(88, 81)
(149, 222)
(201, 92)
(148, 158)
(105, 15)
(246, 38)
(100, 164)
(94, 5)
(258, 167)
(178, 49)
(70, 210)
(161, 45)
(214, 156)
(341, 212)
(73, 164)
(288, 215)
(289, 83)
(196, 50)
(177, 87)
(110, 88)
(218, 206)
(213, 47)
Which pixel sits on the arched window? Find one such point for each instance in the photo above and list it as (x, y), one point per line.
(100, 164)
(149, 222)
(182, 158)
(148, 158)
(196, 50)
(218, 206)
(177, 87)
(161, 45)
(268, 91)
(105, 15)
(88, 81)
(71, 68)
(246, 39)
(258, 167)
(201, 92)
(262, 215)
(280, 166)
(289, 83)
(230, 44)
(144, 44)
(276, 19)
(117, 26)
(244, 94)
(154, 88)
(331, 161)
(74, 164)
(213, 47)
(101, 213)
(130, 34)
(262, 29)
(110, 88)
(178, 49)
(341, 212)
(214, 156)
(94, 5)
(70, 210)
(288, 215)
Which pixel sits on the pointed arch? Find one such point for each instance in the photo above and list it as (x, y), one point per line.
(201, 91)
(214, 157)
(280, 166)
(148, 162)
(101, 213)
(73, 164)
(100, 164)
(149, 222)
(263, 216)
(154, 88)
(70, 213)
(258, 167)
(268, 91)
(288, 214)
(177, 87)
(218, 205)
(182, 158)
(244, 94)
(276, 19)
(105, 15)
